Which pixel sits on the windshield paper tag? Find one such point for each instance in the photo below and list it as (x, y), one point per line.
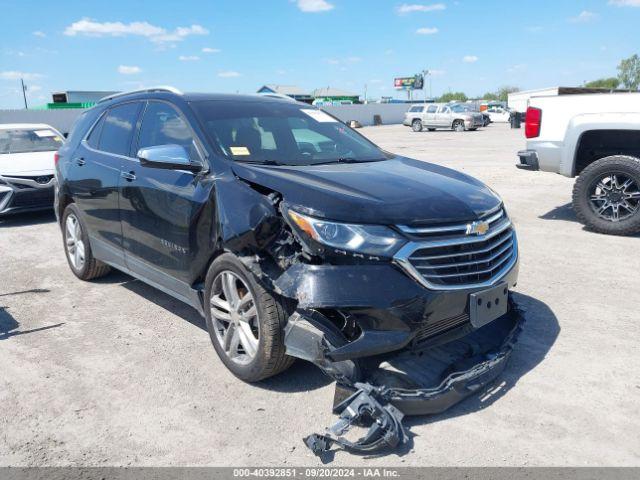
(319, 115)
(238, 151)
(45, 133)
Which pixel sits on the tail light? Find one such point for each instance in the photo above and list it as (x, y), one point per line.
(533, 121)
(56, 158)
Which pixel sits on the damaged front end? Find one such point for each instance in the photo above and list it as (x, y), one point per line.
(399, 323)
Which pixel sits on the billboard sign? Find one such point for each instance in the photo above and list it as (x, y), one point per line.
(408, 83)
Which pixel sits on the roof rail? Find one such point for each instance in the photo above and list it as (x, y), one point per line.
(161, 88)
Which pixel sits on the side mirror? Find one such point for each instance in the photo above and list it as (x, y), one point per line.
(169, 157)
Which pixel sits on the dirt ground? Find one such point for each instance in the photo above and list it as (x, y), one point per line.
(116, 373)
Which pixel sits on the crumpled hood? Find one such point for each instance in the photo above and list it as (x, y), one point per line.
(396, 191)
(27, 164)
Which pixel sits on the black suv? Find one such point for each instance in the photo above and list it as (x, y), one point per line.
(295, 236)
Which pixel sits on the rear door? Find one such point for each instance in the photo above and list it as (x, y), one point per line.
(161, 208)
(96, 165)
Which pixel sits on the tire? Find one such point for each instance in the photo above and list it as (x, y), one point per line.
(588, 197)
(416, 125)
(458, 126)
(266, 357)
(77, 248)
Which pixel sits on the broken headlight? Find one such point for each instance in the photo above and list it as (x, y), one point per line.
(374, 240)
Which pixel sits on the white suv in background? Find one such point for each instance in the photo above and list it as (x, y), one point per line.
(27, 164)
(439, 115)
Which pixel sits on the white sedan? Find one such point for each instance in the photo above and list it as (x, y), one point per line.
(27, 166)
(498, 114)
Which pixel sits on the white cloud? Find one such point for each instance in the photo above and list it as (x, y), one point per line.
(228, 74)
(314, 6)
(584, 17)
(129, 69)
(39, 33)
(625, 3)
(91, 28)
(211, 50)
(427, 31)
(15, 75)
(414, 7)
(469, 59)
(188, 58)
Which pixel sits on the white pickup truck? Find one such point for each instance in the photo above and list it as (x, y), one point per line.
(595, 137)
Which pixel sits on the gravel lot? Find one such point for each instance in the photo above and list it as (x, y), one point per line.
(117, 373)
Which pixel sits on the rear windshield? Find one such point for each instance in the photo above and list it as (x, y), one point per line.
(282, 133)
(29, 140)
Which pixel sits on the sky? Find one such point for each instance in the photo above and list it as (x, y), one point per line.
(472, 46)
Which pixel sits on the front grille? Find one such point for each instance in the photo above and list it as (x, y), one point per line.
(33, 198)
(432, 329)
(453, 257)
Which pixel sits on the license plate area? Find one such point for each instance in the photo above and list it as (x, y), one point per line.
(487, 305)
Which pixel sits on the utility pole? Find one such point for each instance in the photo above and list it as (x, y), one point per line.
(24, 94)
(365, 93)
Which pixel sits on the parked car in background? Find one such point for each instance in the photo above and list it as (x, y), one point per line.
(498, 114)
(597, 139)
(27, 166)
(440, 115)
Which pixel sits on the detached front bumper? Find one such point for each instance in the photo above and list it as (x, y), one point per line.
(528, 160)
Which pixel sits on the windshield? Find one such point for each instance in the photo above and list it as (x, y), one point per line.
(29, 140)
(282, 133)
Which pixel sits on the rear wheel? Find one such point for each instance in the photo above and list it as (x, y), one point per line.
(77, 248)
(245, 322)
(606, 195)
(458, 126)
(416, 125)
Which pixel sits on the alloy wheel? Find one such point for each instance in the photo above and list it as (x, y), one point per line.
(235, 317)
(75, 245)
(614, 197)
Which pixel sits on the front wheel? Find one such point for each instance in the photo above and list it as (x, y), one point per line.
(606, 195)
(458, 126)
(416, 125)
(245, 322)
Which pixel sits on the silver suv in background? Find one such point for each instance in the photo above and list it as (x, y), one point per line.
(440, 115)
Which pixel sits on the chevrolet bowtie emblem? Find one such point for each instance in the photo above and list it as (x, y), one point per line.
(477, 228)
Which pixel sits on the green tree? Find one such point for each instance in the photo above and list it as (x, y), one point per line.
(610, 83)
(453, 97)
(503, 93)
(490, 96)
(629, 72)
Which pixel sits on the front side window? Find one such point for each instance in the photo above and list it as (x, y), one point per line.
(163, 125)
(432, 109)
(117, 130)
(22, 140)
(282, 133)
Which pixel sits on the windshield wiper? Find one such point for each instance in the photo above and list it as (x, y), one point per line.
(260, 162)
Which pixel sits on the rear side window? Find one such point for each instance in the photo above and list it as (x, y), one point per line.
(163, 125)
(415, 109)
(118, 127)
(432, 109)
(94, 136)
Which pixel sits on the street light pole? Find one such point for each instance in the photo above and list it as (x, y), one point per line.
(24, 94)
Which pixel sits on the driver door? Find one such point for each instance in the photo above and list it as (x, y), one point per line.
(161, 208)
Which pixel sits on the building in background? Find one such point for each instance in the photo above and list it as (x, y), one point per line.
(334, 96)
(77, 98)
(292, 91)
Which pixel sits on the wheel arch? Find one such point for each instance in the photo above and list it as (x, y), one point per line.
(594, 144)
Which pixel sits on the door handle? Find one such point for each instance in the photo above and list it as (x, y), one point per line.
(80, 161)
(129, 176)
